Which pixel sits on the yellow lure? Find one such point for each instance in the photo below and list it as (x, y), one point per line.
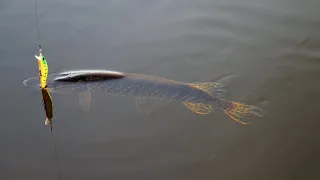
(43, 70)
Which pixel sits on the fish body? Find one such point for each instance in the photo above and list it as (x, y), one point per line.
(129, 84)
(200, 97)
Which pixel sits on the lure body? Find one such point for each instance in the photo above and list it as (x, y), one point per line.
(42, 69)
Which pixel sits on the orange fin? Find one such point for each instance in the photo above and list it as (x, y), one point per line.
(214, 89)
(199, 108)
(239, 112)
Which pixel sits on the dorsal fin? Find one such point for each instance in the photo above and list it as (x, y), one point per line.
(217, 87)
(214, 89)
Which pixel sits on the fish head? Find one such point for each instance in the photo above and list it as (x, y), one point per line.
(87, 76)
(73, 81)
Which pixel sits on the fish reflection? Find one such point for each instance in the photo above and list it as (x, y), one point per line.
(199, 97)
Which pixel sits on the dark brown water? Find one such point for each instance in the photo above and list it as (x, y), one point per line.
(273, 46)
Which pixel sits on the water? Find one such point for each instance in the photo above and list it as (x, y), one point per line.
(273, 46)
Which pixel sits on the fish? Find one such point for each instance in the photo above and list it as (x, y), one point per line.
(199, 97)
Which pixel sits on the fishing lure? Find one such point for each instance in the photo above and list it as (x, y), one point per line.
(46, 98)
(42, 68)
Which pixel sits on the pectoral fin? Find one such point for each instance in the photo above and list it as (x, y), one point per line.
(144, 106)
(85, 100)
(199, 108)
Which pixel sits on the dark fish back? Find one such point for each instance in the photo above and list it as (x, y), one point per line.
(149, 86)
(129, 84)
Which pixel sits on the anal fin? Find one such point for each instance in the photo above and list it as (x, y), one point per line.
(199, 108)
(85, 100)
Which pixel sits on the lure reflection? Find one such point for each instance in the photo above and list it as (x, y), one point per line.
(47, 104)
(199, 97)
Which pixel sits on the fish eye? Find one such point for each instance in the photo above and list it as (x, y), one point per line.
(63, 75)
(66, 74)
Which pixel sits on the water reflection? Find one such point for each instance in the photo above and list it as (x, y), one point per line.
(48, 106)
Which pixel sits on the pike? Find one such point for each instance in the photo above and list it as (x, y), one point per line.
(199, 97)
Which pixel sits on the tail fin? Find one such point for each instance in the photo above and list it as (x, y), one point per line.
(239, 111)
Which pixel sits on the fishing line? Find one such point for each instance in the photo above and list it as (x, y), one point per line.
(37, 20)
(40, 50)
(56, 154)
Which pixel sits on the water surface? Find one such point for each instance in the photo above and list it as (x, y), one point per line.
(273, 46)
